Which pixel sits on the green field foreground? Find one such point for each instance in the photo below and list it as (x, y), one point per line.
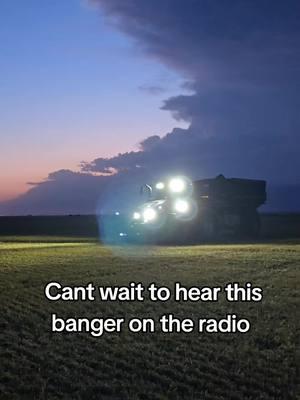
(37, 364)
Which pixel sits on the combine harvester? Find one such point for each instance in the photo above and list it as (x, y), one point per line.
(178, 210)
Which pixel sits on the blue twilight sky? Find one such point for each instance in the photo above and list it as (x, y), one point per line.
(72, 89)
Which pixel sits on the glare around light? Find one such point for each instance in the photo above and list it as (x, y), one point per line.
(160, 185)
(136, 215)
(149, 214)
(182, 206)
(177, 185)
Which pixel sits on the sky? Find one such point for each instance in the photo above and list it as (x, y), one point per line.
(98, 96)
(72, 89)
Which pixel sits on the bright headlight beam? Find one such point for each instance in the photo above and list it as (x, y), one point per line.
(149, 214)
(136, 215)
(177, 185)
(160, 185)
(181, 206)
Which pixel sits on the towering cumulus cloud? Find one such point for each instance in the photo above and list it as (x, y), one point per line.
(241, 62)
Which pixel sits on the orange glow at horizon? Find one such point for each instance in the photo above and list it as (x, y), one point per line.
(34, 166)
(14, 184)
(26, 161)
(12, 190)
(32, 156)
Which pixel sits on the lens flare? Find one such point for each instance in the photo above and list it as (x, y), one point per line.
(182, 206)
(136, 215)
(160, 186)
(177, 185)
(149, 214)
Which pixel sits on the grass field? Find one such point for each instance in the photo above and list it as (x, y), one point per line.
(36, 364)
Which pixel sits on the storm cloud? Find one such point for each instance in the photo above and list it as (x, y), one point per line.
(241, 61)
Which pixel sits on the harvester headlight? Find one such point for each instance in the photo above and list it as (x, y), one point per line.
(149, 214)
(136, 215)
(160, 186)
(177, 185)
(182, 206)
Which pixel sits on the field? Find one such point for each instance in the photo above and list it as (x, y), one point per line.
(37, 364)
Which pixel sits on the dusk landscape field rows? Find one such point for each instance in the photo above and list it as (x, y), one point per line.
(37, 364)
